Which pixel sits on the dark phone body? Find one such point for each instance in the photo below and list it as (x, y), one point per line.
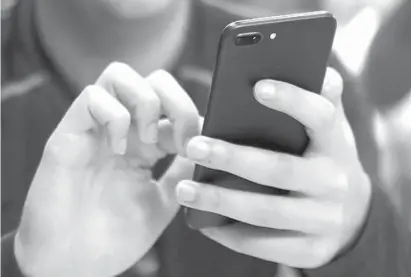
(298, 55)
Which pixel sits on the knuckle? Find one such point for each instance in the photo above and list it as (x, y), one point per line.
(122, 115)
(152, 101)
(342, 183)
(282, 165)
(336, 177)
(160, 78)
(264, 215)
(285, 101)
(90, 91)
(115, 71)
(68, 149)
(350, 220)
(339, 219)
(334, 220)
(93, 94)
(147, 104)
(327, 117)
(163, 79)
(119, 115)
(188, 113)
(221, 155)
(162, 75)
(213, 198)
(116, 68)
(320, 253)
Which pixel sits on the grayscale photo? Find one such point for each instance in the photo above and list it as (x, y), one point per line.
(205, 138)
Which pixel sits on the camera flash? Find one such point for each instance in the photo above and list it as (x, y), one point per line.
(273, 35)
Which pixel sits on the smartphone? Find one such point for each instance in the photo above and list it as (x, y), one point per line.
(292, 48)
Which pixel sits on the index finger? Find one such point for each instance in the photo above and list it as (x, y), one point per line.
(268, 168)
(177, 106)
(312, 110)
(137, 96)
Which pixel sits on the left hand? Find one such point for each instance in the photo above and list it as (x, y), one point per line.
(93, 208)
(330, 192)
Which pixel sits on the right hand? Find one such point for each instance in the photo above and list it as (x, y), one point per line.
(93, 208)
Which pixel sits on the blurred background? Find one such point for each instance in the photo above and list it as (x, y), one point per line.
(358, 20)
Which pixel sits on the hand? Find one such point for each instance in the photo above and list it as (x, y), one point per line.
(330, 193)
(93, 208)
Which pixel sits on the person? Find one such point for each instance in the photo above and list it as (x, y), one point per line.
(390, 97)
(92, 208)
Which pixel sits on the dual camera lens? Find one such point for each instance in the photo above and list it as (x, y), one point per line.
(250, 38)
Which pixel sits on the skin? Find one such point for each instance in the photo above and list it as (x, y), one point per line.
(93, 210)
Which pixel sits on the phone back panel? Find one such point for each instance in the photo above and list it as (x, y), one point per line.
(298, 55)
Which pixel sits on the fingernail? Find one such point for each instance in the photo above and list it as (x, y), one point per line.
(197, 149)
(151, 135)
(265, 90)
(120, 147)
(186, 192)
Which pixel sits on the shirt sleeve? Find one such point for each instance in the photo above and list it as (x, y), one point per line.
(9, 266)
(382, 249)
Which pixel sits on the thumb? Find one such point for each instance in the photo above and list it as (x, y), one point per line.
(180, 169)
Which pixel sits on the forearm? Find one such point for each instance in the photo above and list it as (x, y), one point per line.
(9, 266)
(383, 248)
